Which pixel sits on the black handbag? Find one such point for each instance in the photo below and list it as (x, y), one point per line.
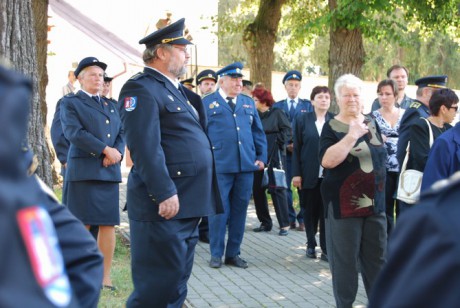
(274, 177)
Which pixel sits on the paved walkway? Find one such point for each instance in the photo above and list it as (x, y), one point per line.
(279, 273)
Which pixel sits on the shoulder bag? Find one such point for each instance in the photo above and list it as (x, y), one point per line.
(410, 180)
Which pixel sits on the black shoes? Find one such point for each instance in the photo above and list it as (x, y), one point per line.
(236, 261)
(263, 228)
(324, 257)
(311, 253)
(215, 262)
(204, 237)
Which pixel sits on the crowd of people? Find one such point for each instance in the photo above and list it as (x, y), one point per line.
(197, 161)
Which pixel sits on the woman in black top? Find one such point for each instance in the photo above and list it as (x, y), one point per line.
(277, 129)
(306, 169)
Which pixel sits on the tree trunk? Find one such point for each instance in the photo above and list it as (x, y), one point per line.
(259, 39)
(346, 53)
(22, 44)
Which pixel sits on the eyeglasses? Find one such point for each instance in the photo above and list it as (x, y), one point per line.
(184, 50)
(454, 107)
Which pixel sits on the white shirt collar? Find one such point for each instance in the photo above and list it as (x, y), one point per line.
(296, 100)
(224, 95)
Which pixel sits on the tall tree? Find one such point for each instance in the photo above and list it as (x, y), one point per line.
(259, 39)
(23, 43)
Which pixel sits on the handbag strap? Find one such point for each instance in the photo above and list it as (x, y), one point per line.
(271, 155)
(430, 131)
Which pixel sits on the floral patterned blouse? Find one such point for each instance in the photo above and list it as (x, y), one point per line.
(392, 134)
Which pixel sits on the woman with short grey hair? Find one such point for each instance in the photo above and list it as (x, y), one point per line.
(353, 189)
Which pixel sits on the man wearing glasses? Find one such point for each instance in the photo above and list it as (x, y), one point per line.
(172, 183)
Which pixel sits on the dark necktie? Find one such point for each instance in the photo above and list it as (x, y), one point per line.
(292, 110)
(231, 103)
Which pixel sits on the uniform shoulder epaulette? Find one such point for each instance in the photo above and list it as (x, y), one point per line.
(415, 105)
(71, 94)
(207, 94)
(137, 76)
(246, 94)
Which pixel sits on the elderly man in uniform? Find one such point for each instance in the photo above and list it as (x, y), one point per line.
(400, 75)
(206, 82)
(240, 148)
(293, 105)
(418, 109)
(30, 220)
(424, 253)
(172, 183)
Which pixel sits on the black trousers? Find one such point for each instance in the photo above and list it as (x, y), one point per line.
(314, 216)
(391, 203)
(279, 198)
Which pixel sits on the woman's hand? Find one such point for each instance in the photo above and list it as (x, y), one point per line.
(112, 156)
(297, 181)
(357, 129)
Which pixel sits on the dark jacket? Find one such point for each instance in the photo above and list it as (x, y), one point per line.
(278, 131)
(305, 157)
(169, 148)
(89, 129)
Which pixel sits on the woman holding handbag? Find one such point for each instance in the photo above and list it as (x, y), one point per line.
(277, 129)
(443, 108)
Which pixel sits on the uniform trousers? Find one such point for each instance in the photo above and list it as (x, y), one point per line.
(235, 190)
(279, 198)
(354, 243)
(162, 255)
(292, 214)
(314, 216)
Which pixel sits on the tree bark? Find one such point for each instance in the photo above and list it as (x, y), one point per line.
(22, 44)
(346, 53)
(259, 39)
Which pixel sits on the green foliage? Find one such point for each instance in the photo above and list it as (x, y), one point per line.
(421, 34)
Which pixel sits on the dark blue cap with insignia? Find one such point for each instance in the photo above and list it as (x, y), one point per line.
(438, 81)
(171, 34)
(296, 75)
(89, 61)
(232, 70)
(247, 83)
(206, 74)
(188, 82)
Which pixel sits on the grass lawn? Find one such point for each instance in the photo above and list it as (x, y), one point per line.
(121, 276)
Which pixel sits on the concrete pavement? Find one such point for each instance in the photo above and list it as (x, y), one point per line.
(279, 273)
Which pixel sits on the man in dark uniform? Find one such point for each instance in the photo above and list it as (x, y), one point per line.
(51, 260)
(423, 262)
(188, 83)
(172, 183)
(247, 87)
(240, 148)
(293, 105)
(206, 81)
(418, 109)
